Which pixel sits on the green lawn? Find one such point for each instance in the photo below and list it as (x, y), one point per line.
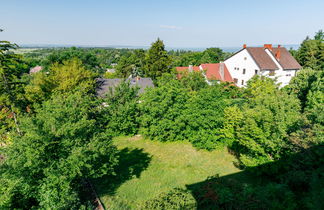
(148, 168)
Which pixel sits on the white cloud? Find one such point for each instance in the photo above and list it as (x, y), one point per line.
(171, 27)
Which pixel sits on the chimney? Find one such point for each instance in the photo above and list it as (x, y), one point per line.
(244, 46)
(190, 68)
(221, 70)
(278, 54)
(268, 46)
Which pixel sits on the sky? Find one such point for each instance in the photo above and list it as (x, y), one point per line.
(179, 23)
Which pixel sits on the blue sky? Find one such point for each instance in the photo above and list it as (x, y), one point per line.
(180, 23)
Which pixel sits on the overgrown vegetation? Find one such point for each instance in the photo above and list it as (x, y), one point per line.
(56, 133)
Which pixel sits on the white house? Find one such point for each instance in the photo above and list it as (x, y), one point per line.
(273, 62)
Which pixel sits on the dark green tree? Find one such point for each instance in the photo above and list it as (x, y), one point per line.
(157, 60)
(121, 110)
(311, 52)
(131, 64)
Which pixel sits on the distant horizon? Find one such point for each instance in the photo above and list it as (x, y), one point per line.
(224, 48)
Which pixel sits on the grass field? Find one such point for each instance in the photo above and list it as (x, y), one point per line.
(148, 168)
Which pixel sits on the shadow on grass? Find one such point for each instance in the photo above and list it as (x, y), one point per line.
(131, 164)
(294, 182)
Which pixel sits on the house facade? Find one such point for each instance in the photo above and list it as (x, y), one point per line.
(273, 62)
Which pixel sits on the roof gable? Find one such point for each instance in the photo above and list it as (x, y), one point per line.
(286, 60)
(261, 58)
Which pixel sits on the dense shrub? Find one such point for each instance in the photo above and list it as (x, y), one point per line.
(173, 200)
(121, 110)
(268, 118)
(60, 146)
(162, 111)
(172, 112)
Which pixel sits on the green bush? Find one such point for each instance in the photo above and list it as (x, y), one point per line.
(175, 199)
(121, 110)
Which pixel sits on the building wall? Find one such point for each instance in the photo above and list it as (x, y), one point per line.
(237, 63)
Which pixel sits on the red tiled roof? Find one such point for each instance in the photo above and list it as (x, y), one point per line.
(212, 71)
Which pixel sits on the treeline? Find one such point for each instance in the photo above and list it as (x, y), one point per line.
(126, 62)
(56, 134)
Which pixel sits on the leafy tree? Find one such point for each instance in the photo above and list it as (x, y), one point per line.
(300, 84)
(131, 64)
(121, 113)
(268, 118)
(203, 116)
(194, 81)
(62, 78)
(315, 100)
(62, 146)
(12, 100)
(319, 35)
(161, 111)
(310, 54)
(87, 57)
(157, 60)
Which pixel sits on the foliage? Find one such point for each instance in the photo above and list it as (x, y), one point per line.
(210, 55)
(222, 193)
(161, 111)
(62, 145)
(68, 77)
(300, 84)
(157, 60)
(204, 117)
(311, 52)
(12, 100)
(267, 120)
(131, 64)
(121, 109)
(109, 75)
(194, 81)
(175, 199)
(172, 112)
(88, 58)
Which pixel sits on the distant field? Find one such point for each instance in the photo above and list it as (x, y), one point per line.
(149, 168)
(25, 50)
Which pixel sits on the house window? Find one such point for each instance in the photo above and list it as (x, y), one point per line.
(288, 75)
(272, 73)
(242, 82)
(256, 72)
(235, 80)
(243, 71)
(238, 68)
(245, 58)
